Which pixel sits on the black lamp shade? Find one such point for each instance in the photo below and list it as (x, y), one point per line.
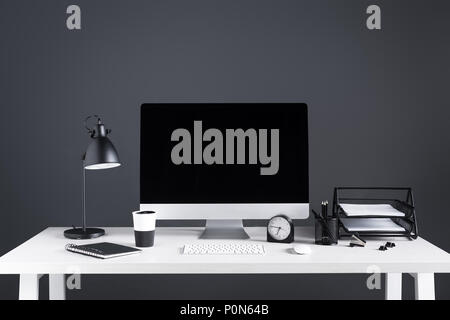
(101, 154)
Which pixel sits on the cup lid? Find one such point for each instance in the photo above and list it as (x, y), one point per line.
(144, 212)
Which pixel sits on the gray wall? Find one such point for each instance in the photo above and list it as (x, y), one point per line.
(378, 112)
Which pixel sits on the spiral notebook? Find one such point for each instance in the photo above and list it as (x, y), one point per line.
(102, 250)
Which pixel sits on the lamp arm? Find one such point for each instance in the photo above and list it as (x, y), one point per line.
(83, 198)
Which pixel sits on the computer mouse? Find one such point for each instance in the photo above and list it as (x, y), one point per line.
(302, 249)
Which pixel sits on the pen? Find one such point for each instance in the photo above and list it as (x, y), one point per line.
(322, 210)
(325, 210)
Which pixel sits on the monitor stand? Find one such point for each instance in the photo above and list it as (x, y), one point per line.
(224, 229)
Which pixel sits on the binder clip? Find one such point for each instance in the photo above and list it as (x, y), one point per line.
(357, 241)
(390, 245)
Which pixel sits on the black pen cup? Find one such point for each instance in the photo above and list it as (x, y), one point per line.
(318, 231)
(326, 231)
(333, 229)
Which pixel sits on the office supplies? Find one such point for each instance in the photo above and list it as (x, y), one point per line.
(357, 241)
(318, 227)
(324, 214)
(100, 154)
(390, 245)
(361, 225)
(280, 229)
(223, 248)
(324, 207)
(302, 249)
(187, 172)
(333, 229)
(360, 210)
(326, 230)
(43, 254)
(102, 250)
(393, 207)
(144, 223)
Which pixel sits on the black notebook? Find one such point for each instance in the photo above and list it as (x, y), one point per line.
(102, 250)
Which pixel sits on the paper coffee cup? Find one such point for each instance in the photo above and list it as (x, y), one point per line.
(144, 223)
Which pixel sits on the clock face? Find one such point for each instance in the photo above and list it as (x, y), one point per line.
(279, 228)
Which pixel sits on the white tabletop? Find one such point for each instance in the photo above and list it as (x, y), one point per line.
(45, 254)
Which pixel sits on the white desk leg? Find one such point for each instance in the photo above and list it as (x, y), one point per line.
(393, 286)
(29, 287)
(56, 287)
(424, 285)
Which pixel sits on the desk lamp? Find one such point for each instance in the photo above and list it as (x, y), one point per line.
(100, 154)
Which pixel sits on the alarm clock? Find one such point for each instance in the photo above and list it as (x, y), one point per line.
(280, 229)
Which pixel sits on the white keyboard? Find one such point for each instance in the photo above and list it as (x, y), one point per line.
(223, 248)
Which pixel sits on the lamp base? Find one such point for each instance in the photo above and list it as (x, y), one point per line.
(79, 233)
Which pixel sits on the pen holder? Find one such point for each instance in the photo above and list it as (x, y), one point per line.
(324, 237)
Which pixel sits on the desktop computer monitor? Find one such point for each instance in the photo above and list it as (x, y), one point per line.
(224, 163)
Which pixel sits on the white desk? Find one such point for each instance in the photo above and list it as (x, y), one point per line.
(45, 254)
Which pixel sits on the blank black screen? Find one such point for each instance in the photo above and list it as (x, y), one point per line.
(162, 181)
